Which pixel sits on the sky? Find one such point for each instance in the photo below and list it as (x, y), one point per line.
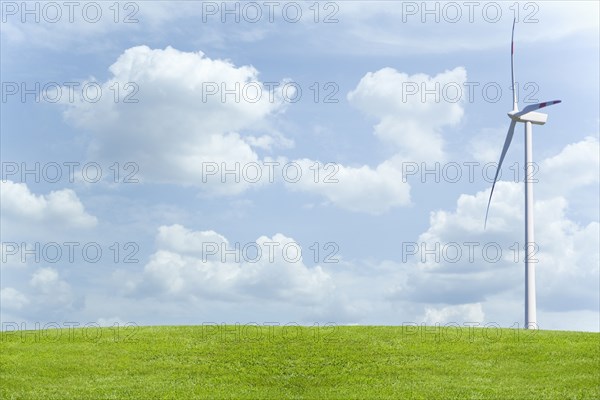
(188, 163)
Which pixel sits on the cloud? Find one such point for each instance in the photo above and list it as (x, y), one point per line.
(566, 252)
(363, 189)
(177, 239)
(12, 299)
(575, 166)
(179, 132)
(203, 264)
(190, 111)
(480, 286)
(464, 312)
(60, 207)
(114, 321)
(46, 281)
(409, 117)
(456, 262)
(50, 296)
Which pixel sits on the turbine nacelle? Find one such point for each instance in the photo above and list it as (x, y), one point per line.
(536, 118)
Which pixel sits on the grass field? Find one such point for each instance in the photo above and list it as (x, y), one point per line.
(261, 362)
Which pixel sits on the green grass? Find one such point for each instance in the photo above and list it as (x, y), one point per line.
(355, 362)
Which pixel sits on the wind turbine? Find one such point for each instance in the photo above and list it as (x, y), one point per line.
(529, 117)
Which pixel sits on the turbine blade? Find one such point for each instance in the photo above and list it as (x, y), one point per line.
(509, 136)
(512, 66)
(533, 107)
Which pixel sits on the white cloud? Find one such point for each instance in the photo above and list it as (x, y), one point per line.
(412, 123)
(571, 173)
(268, 142)
(469, 290)
(178, 239)
(568, 268)
(45, 280)
(362, 189)
(454, 314)
(177, 133)
(113, 321)
(568, 253)
(13, 299)
(51, 289)
(61, 207)
(408, 116)
(183, 118)
(575, 166)
(203, 264)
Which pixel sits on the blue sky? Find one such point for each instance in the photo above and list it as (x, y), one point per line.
(408, 246)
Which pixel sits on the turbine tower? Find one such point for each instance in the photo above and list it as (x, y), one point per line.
(529, 117)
